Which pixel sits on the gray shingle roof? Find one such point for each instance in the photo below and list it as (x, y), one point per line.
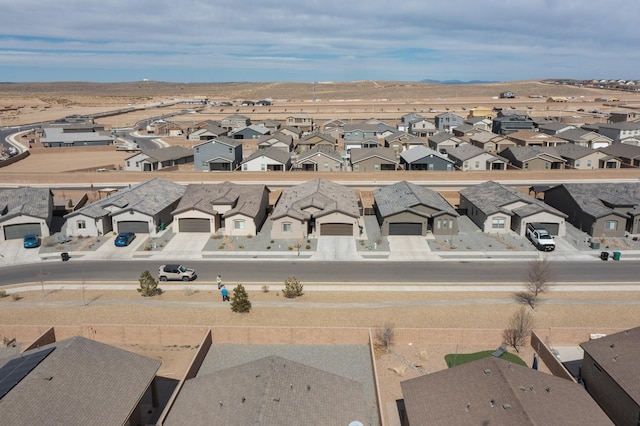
(322, 194)
(269, 391)
(320, 149)
(150, 197)
(57, 134)
(418, 152)
(81, 382)
(491, 197)
(273, 153)
(244, 199)
(574, 152)
(466, 151)
(405, 196)
(25, 201)
(168, 153)
(443, 136)
(622, 150)
(591, 197)
(223, 140)
(497, 392)
(360, 154)
(526, 153)
(617, 354)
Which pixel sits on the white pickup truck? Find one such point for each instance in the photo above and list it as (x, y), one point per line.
(540, 237)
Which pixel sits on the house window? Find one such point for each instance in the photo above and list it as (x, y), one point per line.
(611, 225)
(230, 150)
(244, 167)
(137, 164)
(356, 167)
(263, 167)
(526, 165)
(577, 163)
(337, 166)
(326, 166)
(128, 163)
(197, 150)
(588, 163)
(477, 165)
(238, 224)
(204, 164)
(497, 223)
(286, 227)
(489, 146)
(546, 165)
(376, 167)
(466, 164)
(82, 224)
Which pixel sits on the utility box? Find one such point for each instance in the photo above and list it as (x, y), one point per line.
(595, 245)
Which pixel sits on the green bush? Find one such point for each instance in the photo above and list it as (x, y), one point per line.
(148, 285)
(292, 288)
(240, 300)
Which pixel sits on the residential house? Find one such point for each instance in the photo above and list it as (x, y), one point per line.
(360, 132)
(534, 158)
(319, 159)
(511, 123)
(314, 139)
(249, 132)
(530, 138)
(585, 138)
(610, 372)
(583, 158)
(25, 211)
(165, 128)
(408, 209)
(629, 154)
(396, 140)
(492, 391)
(207, 133)
(70, 135)
(422, 127)
(144, 208)
(422, 158)
(497, 208)
(481, 111)
(491, 142)
(479, 122)
(217, 155)
(319, 207)
(599, 209)
(405, 121)
(467, 130)
(373, 159)
(621, 116)
(444, 142)
(447, 121)
(78, 381)
(235, 121)
(272, 125)
(270, 391)
(292, 131)
(555, 128)
(626, 131)
(363, 143)
(239, 210)
(302, 121)
(277, 140)
(469, 157)
(158, 159)
(270, 159)
(334, 124)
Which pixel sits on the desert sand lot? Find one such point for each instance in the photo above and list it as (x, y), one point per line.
(35, 103)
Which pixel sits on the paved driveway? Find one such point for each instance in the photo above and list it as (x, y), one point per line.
(108, 250)
(336, 248)
(409, 247)
(186, 245)
(13, 252)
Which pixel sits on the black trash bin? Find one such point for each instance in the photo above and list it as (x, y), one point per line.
(604, 255)
(65, 256)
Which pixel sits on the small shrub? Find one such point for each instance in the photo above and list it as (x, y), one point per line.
(240, 300)
(308, 246)
(290, 248)
(399, 370)
(292, 288)
(189, 291)
(16, 297)
(272, 241)
(216, 237)
(241, 246)
(3, 293)
(265, 288)
(249, 236)
(148, 285)
(221, 247)
(268, 247)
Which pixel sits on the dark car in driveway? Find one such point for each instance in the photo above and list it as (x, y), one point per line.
(124, 239)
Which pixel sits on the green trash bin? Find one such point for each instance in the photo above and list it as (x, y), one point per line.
(616, 255)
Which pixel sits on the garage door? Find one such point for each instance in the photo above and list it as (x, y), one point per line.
(133, 226)
(552, 228)
(194, 225)
(336, 229)
(14, 232)
(405, 228)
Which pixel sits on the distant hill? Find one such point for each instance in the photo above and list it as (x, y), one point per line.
(457, 81)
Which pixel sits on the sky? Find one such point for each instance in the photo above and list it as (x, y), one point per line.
(188, 41)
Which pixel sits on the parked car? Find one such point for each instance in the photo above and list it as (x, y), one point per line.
(31, 241)
(124, 239)
(176, 272)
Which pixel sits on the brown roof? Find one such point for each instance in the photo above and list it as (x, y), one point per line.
(242, 198)
(497, 392)
(617, 354)
(80, 382)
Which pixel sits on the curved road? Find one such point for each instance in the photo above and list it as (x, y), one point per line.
(256, 272)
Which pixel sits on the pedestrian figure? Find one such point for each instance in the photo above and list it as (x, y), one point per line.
(219, 280)
(225, 294)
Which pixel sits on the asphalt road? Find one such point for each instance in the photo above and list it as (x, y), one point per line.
(256, 272)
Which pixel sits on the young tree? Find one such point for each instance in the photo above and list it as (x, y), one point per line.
(385, 336)
(537, 280)
(240, 300)
(519, 328)
(148, 285)
(292, 288)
